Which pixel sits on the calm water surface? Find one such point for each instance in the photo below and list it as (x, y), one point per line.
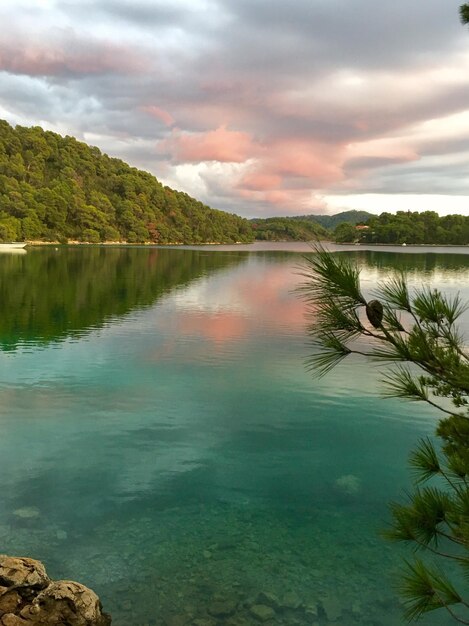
(162, 442)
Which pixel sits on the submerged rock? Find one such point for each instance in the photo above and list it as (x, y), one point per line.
(332, 608)
(222, 608)
(348, 484)
(27, 512)
(262, 612)
(268, 599)
(291, 600)
(29, 598)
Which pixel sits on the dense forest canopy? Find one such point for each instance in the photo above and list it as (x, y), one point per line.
(288, 229)
(409, 227)
(58, 189)
(332, 221)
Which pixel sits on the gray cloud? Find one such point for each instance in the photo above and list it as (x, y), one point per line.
(322, 85)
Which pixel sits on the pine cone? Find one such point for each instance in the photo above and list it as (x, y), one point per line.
(374, 313)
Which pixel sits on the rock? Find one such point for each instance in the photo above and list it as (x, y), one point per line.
(178, 620)
(356, 608)
(268, 599)
(311, 613)
(203, 621)
(32, 599)
(27, 512)
(262, 612)
(23, 572)
(9, 601)
(291, 600)
(222, 608)
(348, 483)
(332, 608)
(11, 620)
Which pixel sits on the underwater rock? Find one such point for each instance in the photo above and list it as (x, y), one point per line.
(268, 599)
(222, 608)
(203, 621)
(348, 484)
(29, 598)
(311, 612)
(332, 608)
(262, 612)
(27, 512)
(291, 600)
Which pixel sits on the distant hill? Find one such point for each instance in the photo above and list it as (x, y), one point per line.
(331, 221)
(287, 229)
(55, 188)
(304, 227)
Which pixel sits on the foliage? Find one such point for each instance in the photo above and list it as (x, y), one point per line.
(287, 229)
(56, 188)
(411, 227)
(345, 233)
(417, 332)
(332, 221)
(464, 13)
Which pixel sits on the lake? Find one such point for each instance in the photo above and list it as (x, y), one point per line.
(162, 442)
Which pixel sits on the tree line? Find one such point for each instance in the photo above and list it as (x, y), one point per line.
(55, 188)
(409, 227)
(288, 229)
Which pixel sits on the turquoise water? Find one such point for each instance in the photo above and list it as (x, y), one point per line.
(162, 442)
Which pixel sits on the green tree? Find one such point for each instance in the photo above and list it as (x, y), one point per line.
(345, 233)
(417, 332)
(76, 192)
(464, 13)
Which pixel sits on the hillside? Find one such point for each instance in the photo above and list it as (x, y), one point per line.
(287, 229)
(411, 227)
(57, 188)
(332, 221)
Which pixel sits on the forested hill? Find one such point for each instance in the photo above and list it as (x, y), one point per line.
(58, 189)
(411, 227)
(332, 221)
(287, 229)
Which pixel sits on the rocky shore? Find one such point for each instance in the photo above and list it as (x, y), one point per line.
(28, 597)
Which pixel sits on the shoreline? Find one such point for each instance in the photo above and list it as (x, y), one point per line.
(37, 243)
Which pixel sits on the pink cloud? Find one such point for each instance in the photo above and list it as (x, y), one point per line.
(285, 173)
(223, 145)
(73, 57)
(160, 114)
(321, 164)
(260, 181)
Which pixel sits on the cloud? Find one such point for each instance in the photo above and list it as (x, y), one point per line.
(159, 114)
(254, 107)
(67, 56)
(221, 145)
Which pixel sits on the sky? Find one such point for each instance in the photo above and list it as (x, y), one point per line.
(257, 107)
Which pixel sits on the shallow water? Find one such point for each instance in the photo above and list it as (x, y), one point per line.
(162, 442)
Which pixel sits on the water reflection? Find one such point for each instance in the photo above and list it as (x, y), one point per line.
(181, 450)
(50, 294)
